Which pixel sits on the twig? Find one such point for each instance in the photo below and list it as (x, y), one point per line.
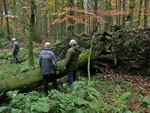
(89, 57)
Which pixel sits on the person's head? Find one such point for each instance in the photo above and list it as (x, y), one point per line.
(47, 45)
(72, 42)
(13, 39)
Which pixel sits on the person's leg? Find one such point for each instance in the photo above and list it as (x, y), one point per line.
(54, 81)
(45, 80)
(70, 78)
(75, 76)
(15, 59)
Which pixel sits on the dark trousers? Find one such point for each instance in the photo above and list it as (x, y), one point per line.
(16, 59)
(49, 78)
(72, 76)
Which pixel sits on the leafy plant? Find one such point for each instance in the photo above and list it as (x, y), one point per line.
(97, 96)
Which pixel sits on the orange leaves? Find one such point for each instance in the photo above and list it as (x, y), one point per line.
(2, 25)
(68, 17)
(1, 3)
(111, 12)
(25, 7)
(62, 13)
(86, 15)
(8, 16)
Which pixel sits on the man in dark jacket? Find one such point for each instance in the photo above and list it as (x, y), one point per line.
(15, 50)
(72, 62)
(48, 65)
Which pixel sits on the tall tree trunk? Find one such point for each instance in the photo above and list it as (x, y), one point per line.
(107, 18)
(80, 27)
(145, 14)
(45, 25)
(56, 24)
(7, 20)
(14, 20)
(1, 12)
(119, 15)
(1, 22)
(130, 16)
(38, 23)
(31, 35)
(70, 22)
(117, 19)
(95, 12)
(139, 16)
(123, 19)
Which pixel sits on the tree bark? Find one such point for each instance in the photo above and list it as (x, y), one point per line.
(119, 15)
(14, 20)
(70, 21)
(123, 20)
(30, 78)
(38, 23)
(145, 14)
(56, 24)
(95, 12)
(139, 16)
(130, 16)
(30, 46)
(7, 20)
(107, 18)
(80, 27)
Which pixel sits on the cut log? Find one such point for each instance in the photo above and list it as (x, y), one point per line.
(33, 77)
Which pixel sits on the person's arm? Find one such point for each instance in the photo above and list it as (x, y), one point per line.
(54, 61)
(68, 58)
(40, 60)
(14, 48)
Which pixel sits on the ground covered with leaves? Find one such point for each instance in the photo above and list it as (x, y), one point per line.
(105, 93)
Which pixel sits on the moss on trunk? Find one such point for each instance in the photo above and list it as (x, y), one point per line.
(32, 77)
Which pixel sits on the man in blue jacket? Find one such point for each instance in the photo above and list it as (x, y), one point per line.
(15, 50)
(48, 65)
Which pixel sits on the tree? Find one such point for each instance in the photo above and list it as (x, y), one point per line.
(31, 34)
(145, 13)
(95, 12)
(70, 21)
(139, 16)
(107, 18)
(56, 24)
(123, 19)
(130, 16)
(80, 26)
(38, 23)
(7, 20)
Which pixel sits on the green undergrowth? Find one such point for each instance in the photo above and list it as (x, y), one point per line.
(9, 69)
(99, 96)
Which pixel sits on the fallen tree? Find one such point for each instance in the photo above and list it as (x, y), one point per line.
(33, 77)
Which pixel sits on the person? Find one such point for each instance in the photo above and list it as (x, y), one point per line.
(15, 50)
(48, 65)
(72, 62)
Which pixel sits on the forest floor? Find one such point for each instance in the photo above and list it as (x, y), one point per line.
(111, 87)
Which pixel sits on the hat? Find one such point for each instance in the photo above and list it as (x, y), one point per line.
(13, 39)
(72, 42)
(47, 45)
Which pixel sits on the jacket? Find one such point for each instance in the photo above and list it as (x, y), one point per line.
(72, 58)
(15, 48)
(47, 62)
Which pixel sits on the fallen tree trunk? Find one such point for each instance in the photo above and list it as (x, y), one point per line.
(33, 77)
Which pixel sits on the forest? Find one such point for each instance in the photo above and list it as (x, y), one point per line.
(113, 67)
